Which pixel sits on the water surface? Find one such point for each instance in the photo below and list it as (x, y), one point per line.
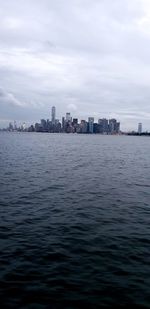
(75, 220)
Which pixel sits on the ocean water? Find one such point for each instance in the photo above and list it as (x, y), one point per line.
(74, 221)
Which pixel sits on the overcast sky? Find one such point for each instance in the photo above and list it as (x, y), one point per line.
(87, 57)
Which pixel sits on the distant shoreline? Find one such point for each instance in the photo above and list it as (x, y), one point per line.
(75, 133)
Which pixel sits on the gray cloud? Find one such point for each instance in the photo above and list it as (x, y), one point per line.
(9, 99)
(89, 56)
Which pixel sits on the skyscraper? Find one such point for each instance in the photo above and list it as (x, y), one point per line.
(114, 126)
(103, 125)
(90, 122)
(53, 115)
(140, 128)
(68, 117)
(83, 126)
(63, 124)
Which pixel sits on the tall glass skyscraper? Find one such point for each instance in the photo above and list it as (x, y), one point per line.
(140, 128)
(53, 115)
(91, 124)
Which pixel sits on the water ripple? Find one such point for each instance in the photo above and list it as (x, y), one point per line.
(75, 227)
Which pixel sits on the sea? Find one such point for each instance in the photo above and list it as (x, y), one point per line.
(74, 221)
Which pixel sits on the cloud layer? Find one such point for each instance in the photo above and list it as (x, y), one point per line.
(89, 57)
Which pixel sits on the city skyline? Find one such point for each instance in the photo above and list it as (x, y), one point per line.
(52, 118)
(87, 57)
(70, 124)
(97, 116)
(103, 122)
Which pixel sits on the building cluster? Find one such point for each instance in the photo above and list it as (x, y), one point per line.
(13, 127)
(72, 125)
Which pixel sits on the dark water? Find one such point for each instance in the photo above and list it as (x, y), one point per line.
(75, 221)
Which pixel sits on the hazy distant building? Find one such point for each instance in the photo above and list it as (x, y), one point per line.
(15, 125)
(37, 127)
(32, 128)
(140, 128)
(90, 124)
(43, 125)
(63, 124)
(68, 117)
(83, 127)
(75, 121)
(114, 126)
(24, 126)
(57, 127)
(117, 127)
(103, 125)
(95, 128)
(53, 115)
(75, 125)
(10, 128)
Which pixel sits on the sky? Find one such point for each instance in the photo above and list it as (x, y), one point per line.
(87, 57)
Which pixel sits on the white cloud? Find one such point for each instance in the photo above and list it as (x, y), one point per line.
(72, 107)
(11, 23)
